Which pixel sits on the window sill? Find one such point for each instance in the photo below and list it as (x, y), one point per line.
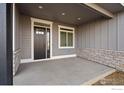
(66, 47)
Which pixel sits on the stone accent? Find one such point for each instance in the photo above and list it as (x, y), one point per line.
(110, 58)
(16, 60)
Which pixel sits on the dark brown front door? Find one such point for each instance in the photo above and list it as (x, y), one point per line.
(39, 43)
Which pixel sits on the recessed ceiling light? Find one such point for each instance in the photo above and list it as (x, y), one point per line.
(63, 14)
(78, 18)
(40, 7)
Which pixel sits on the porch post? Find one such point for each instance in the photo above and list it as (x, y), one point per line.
(6, 76)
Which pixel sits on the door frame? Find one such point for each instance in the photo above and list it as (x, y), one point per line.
(32, 35)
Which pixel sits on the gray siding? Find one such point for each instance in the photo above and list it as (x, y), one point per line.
(87, 36)
(121, 31)
(80, 41)
(17, 30)
(97, 35)
(16, 51)
(83, 38)
(92, 35)
(112, 32)
(56, 50)
(26, 39)
(104, 33)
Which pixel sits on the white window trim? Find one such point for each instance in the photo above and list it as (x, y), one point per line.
(32, 34)
(66, 27)
(14, 27)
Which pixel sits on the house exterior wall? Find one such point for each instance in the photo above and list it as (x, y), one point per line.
(102, 41)
(114, 59)
(56, 50)
(16, 42)
(26, 39)
(17, 29)
(103, 34)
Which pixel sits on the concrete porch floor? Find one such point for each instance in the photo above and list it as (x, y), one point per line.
(68, 71)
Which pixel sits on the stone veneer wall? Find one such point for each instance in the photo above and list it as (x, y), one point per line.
(16, 60)
(110, 58)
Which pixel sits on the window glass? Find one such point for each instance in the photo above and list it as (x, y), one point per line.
(66, 37)
(63, 39)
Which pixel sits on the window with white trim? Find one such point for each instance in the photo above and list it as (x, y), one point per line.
(66, 37)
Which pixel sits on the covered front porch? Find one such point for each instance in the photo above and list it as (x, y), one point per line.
(60, 39)
(67, 71)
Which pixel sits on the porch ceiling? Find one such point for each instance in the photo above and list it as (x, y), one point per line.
(74, 14)
(112, 7)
